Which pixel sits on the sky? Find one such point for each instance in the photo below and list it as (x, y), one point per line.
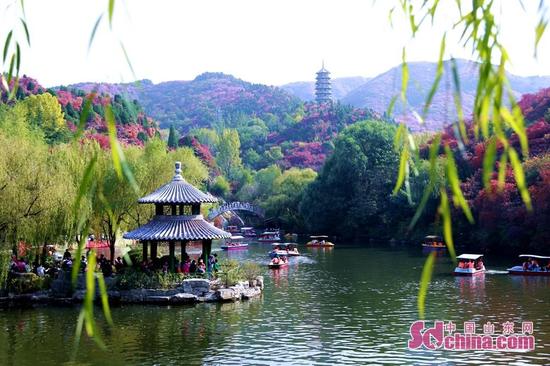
(264, 41)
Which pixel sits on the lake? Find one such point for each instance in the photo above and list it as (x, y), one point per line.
(349, 305)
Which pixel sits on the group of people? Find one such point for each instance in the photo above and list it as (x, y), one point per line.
(478, 265)
(533, 265)
(21, 265)
(187, 266)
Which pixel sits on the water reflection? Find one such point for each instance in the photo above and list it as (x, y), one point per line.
(346, 305)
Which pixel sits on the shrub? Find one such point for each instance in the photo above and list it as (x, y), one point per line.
(26, 283)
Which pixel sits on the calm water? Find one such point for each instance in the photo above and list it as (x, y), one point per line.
(350, 305)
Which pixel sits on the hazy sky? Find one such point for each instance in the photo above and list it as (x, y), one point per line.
(265, 41)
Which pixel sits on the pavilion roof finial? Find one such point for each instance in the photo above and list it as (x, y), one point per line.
(178, 171)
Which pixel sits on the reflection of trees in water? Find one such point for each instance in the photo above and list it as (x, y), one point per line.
(150, 334)
(183, 334)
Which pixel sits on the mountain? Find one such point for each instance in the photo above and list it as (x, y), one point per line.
(305, 90)
(133, 125)
(210, 99)
(377, 92)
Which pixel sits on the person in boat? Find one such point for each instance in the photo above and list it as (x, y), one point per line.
(526, 265)
(460, 264)
(534, 265)
(479, 264)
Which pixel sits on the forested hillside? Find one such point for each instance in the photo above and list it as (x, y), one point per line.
(62, 109)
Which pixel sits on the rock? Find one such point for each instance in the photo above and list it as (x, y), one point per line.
(212, 296)
(158, 299)
(196, 286)
(161, 292)
(249, 293)
(226, 294)
(79, 295)
(260, 282)
(131, 296)
(183, 298)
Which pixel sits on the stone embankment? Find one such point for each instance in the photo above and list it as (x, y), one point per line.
(190, 291)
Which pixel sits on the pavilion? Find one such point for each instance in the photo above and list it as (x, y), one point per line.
(177, 219)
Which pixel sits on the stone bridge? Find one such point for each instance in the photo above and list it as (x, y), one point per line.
(235, 206)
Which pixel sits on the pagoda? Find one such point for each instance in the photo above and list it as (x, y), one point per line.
(177, 220)
(322, 86)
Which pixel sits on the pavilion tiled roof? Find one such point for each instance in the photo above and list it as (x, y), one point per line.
(164, 228)
(178, 191)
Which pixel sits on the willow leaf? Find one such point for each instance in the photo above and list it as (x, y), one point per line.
(398, 139)
(85, 183)
(94, 30)
(502, 166)
(438, 75)
(401, 175)
(128, 61)
(489, 162)
(391, 105)
(79, 249)
(404, 76)
(445, 212)
(115, 147)
(26, 30)
(539, 31)
(104, 298)
(7, 46)
(111, 12)
(458, 101)
(84, 113)
(434, 149)
(519, 175)
(425, 279)
(454, 182)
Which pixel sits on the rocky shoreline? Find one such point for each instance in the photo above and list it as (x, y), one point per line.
(190, 291)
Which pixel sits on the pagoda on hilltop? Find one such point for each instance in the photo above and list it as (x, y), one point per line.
(177, 220)
(323, 92)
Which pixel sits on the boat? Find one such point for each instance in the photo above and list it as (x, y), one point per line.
(269, 237)
(234, 243)
(291, 236)
(469, 265)
(531, 266)
(286, 249)
(248, 232)
(278, 262)
(232, 229)
(319, 241)
(433, 241)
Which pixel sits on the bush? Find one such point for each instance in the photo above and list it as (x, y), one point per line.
(250, 270)
(27, 282)
(132, 279)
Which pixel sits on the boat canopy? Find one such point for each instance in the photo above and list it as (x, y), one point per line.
(270, 233)
(432, 237)
(470, 256)
(247, 228)
(319, 236)
(533, 256)
(237, 237)
(283, 244)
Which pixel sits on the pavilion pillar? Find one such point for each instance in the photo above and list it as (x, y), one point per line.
(145, 242)
(172, 245)
(183, 244)
(154, 253)
(206, 250)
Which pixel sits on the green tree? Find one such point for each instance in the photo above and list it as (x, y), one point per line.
(228, 157)
(287, 193)
(350, 195)
(220, 187)
(44, 112)
(173, 137)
